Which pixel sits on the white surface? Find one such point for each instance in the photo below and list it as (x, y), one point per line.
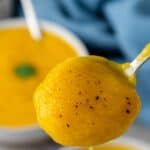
(140, 132)
(129, 141)
(137, 136)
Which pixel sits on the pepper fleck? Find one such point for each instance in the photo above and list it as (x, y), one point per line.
(99, 82)
(80, 93)
(91, 107)
(60, 116)
(68, 125)
(97, 97)
(127, 98)
(127, 111)
(76, 106)
(129, 103)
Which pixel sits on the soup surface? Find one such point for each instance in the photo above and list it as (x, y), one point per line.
(24, 63)
(86, 101)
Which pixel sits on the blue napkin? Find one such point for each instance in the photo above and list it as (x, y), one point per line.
(110, 26)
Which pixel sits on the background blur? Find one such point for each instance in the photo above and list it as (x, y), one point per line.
(116, 29)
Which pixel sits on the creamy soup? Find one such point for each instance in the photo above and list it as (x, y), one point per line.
(24, 63)
(86, 101)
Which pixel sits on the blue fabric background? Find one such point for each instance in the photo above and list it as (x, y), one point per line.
(118, 28)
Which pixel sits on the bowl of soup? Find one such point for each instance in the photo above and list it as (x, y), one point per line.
(24, 64)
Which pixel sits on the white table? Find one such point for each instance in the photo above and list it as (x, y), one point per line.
(136, 131)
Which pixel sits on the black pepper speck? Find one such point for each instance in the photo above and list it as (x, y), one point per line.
(128, 111)
(129, 103)
(97, 97)
(91, 107)
(68, 125)
(76, 106)
(127, 98)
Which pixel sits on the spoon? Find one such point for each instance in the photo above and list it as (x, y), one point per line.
(138, 61)
(31, 19)
(85, 97)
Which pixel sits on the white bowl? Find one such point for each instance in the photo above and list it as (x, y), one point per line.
(133, 143)
(32, 134)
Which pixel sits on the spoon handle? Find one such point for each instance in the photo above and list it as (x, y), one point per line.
(138, 61)
(31, 19)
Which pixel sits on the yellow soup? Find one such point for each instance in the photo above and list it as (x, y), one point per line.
(24, 63)
(113, 147)
(86, 101)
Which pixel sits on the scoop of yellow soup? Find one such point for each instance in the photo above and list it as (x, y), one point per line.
(24, 63)
(86, 101)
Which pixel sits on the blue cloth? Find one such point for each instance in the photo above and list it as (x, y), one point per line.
(114, 26)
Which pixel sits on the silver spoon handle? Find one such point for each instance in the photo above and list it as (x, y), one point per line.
(31, 19)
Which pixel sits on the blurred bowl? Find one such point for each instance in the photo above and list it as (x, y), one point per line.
(125, 141)
(137, 144)
(33, 134)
